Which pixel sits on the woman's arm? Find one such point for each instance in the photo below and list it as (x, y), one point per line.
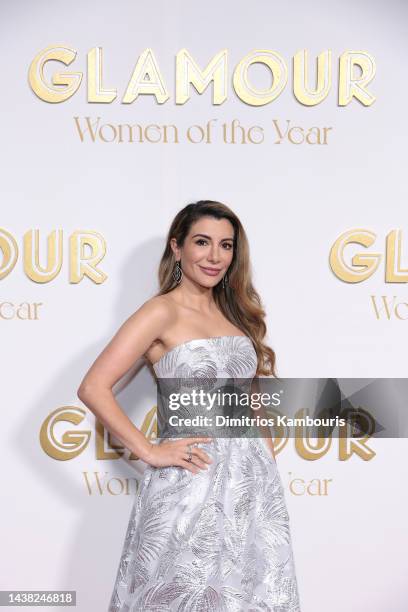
(130, 343)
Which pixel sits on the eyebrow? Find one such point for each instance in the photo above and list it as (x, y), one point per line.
(209, 237)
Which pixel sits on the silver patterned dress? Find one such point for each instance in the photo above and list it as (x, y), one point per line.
(218, 540)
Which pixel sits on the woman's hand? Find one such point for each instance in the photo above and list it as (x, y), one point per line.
(177, 452)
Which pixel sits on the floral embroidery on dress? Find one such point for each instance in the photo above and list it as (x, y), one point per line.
(218, 540)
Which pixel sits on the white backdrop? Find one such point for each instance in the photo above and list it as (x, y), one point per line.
(60, 530)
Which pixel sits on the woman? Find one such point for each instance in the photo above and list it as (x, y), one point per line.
(209, 529)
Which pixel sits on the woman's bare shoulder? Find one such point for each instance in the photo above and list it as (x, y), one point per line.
(158, 311)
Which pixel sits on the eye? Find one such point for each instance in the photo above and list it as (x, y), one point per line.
(228, 245)
(200, 240)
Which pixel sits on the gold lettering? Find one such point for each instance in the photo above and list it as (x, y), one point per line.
(394, 273)
(351, 86)
(50, 92)
(85, 265)
(362, 266)
(96, 92)
(32, 266)
(188, 72)
(146, 66)
(301, 89)
(9, 250)
(242, 86)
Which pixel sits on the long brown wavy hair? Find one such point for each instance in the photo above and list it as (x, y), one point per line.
(238, 301)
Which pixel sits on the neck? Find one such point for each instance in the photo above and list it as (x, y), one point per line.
(195, 296)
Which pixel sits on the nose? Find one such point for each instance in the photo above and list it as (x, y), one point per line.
(214, 255)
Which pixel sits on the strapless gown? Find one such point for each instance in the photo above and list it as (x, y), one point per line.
(218, 540)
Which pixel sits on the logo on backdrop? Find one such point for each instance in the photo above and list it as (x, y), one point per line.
(356, 70)
(312, 83)
(385, 262)
(346, 414)
(63, 438)
(44, 263)
(314, 412)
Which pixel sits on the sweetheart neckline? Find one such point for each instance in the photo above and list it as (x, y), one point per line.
(196, 340)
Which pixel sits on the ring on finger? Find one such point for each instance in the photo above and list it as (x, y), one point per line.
(190, 454)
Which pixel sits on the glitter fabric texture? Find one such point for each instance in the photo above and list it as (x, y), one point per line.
(218, 540)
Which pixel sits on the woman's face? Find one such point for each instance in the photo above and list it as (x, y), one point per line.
(207, 251)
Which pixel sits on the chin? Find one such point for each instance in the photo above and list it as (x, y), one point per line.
(208, 282)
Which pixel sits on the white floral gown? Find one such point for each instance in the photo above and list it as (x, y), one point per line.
(218, 540)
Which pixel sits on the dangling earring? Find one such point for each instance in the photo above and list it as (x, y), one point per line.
(224, 281)
(177, 273)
